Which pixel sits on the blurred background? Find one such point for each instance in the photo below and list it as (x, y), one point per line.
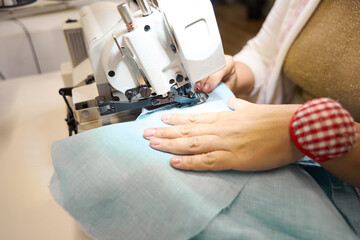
(31, 40)
(239, 21)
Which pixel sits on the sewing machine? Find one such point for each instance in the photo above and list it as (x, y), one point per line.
(123, 60)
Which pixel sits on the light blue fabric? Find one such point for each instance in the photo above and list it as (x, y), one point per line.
(284, 203)
(117, 187)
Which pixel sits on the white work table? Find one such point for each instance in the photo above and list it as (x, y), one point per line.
(31, 118)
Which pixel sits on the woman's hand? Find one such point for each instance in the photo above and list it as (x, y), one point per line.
(236, 75)
(253, 137)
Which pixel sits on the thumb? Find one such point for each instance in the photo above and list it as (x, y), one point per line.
(237, 103)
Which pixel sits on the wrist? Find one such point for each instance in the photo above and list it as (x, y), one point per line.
(293, 153)
(277, 119)
(244, 79)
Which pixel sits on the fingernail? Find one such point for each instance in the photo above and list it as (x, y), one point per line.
(206, 87)
(150, 132)
(166, 118)
(155, 141)
(197, 85)
(176, 160)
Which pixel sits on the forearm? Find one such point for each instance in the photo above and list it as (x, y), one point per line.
(347, 167)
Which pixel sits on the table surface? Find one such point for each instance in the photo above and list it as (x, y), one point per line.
(32, 117)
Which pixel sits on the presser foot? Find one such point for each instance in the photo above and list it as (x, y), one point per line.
(176, 97)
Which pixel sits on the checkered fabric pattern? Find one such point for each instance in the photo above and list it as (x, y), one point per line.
(322, 129)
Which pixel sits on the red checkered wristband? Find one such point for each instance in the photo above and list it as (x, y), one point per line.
(323, 130)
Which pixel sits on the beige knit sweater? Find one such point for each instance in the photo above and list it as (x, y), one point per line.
(324, 60)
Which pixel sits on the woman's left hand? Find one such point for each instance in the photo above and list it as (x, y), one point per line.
(252, 137)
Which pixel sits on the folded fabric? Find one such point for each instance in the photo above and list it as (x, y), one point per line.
(117, 187)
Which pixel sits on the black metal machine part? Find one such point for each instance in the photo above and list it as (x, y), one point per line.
(70, 117)
(176, 97)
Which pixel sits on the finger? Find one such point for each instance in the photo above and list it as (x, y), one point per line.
(211, 161)
(212, 81)
(186, 130)
(209, 84)
(199, 84)
(177, 118)
(188, 145)
(237, 103)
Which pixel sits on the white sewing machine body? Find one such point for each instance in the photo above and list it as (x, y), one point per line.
(147, 58)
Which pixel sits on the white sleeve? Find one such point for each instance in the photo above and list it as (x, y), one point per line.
(258, 51)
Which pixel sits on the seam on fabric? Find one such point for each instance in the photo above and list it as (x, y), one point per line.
(229, 206)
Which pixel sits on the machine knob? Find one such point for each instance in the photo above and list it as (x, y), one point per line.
(127, 16)
(145, 7)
